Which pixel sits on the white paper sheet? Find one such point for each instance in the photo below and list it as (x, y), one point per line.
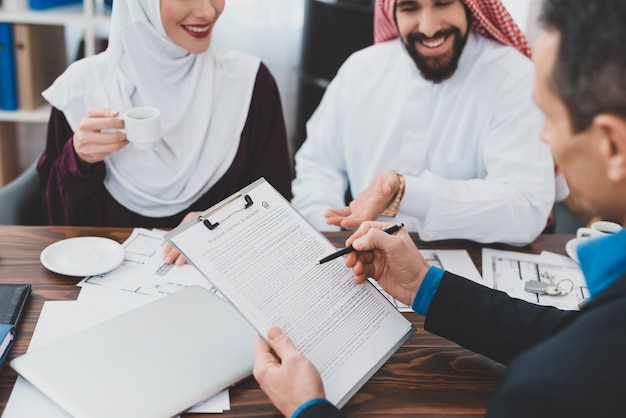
(59, 319)
(143, 270)
(509, 271)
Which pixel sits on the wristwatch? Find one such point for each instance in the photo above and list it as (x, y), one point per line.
(392, 209)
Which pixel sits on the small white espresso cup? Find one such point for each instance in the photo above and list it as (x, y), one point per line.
(598, 229)
(142, 126)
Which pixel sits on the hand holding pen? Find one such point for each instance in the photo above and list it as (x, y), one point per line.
(390, 230)
(394, 262)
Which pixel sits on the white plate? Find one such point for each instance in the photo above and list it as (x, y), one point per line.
(82, 256)
(570, 249)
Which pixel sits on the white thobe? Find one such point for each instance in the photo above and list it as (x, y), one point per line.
(469, 147)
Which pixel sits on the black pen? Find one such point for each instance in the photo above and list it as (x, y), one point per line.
(391, 230)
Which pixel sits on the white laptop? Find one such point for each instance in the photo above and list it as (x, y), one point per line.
(155, 361)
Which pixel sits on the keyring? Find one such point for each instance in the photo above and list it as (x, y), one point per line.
(563, 292)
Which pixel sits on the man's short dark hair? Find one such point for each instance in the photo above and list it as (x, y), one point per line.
(590, 70)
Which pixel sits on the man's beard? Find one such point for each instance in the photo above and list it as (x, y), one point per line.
(436, 69)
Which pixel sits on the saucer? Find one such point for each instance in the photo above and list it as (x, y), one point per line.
(571, 249)
(82, 256)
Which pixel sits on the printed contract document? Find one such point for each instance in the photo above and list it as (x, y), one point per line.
(263, 256)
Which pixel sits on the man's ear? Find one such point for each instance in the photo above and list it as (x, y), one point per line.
(612, 142)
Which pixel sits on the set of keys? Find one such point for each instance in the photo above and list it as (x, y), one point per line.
(548, 288)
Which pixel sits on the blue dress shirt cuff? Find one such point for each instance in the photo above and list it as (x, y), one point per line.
(427, 290)
(307, 404)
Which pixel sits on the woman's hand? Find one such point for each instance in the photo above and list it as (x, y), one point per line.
(97, 135)
(170, 253)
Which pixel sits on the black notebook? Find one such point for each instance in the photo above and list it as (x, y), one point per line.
(13, 298)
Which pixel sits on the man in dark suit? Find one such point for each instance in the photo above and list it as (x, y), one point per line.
(560, 363)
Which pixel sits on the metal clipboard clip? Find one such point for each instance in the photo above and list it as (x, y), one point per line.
(204, 217)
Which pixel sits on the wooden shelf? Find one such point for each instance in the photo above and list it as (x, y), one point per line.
(73, 14)
(40, 115)
(92, 18)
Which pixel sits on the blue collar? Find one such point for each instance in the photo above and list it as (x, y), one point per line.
(603, 261)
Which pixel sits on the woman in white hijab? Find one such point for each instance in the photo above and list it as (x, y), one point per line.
(221, 117)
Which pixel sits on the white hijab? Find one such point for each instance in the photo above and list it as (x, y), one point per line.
(204, 101)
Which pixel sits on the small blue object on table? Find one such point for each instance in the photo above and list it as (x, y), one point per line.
(47, 4)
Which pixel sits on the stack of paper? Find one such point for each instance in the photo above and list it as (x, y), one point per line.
(141, 278)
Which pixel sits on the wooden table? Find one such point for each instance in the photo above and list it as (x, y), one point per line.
(427, 376)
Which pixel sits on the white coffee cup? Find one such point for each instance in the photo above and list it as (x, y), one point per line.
(142, 126)
(598, 229)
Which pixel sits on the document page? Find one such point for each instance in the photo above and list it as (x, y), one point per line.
(509, 271)
(264, 259)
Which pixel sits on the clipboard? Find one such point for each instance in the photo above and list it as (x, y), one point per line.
(261, 254)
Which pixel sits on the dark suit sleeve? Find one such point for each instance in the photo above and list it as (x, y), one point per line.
(488, 321)
(321, 410)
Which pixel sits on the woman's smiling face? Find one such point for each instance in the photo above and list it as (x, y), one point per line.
(189, 23)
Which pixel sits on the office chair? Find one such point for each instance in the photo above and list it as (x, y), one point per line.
(565, 220)
(20, 200)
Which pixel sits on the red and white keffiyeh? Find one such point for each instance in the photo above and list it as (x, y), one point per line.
(489, 18)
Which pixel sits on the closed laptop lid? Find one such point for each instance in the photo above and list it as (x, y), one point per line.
(154, 361)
